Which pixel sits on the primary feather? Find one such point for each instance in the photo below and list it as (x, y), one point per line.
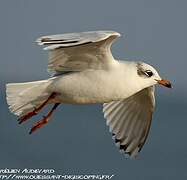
(129, 120)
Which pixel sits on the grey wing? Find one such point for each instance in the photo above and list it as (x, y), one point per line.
(78, 51)
(129, 120)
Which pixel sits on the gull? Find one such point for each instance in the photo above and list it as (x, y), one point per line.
(83, 71)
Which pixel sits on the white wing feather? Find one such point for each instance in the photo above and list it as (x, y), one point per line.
(79, 51)
(129, 120)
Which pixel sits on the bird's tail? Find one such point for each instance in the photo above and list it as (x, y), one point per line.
(25, 97)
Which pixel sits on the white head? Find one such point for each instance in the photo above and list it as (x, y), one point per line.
(149, 76)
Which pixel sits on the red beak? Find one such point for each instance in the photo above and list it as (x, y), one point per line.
(165, 83)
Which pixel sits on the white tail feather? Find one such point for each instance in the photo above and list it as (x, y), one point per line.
(24, 97)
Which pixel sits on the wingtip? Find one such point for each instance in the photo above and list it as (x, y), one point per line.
(117, 34)
(39, 41)
(114, 33)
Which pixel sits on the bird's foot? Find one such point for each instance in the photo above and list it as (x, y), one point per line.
(43, 121)
(36, 110)
(39, 124)
(27, 116)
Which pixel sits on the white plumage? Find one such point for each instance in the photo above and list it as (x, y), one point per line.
(84, 71)
(78, 51)
(23, 97)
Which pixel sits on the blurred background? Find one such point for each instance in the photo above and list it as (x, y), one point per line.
(77, 141)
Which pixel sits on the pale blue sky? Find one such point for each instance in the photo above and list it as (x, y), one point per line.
(77, 140)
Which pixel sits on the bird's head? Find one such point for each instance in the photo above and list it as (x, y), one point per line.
(150, 76)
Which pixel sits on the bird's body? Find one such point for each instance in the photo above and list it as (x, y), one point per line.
(85, 72)
(94, 86)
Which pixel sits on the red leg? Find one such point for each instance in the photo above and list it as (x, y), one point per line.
(43, 121)
(36, 110)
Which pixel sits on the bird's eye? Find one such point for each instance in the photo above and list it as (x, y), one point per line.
(148, 73)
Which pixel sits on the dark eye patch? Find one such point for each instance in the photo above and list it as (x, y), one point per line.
(148, 73)
(140, 70)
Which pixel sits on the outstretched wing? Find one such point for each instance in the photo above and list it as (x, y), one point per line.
(79, 51)
(130, 119)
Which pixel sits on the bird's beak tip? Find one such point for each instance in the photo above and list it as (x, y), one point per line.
(165, 83)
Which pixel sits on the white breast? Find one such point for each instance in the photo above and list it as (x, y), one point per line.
(91, 86)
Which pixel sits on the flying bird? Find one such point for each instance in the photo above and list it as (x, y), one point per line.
(83, 71)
